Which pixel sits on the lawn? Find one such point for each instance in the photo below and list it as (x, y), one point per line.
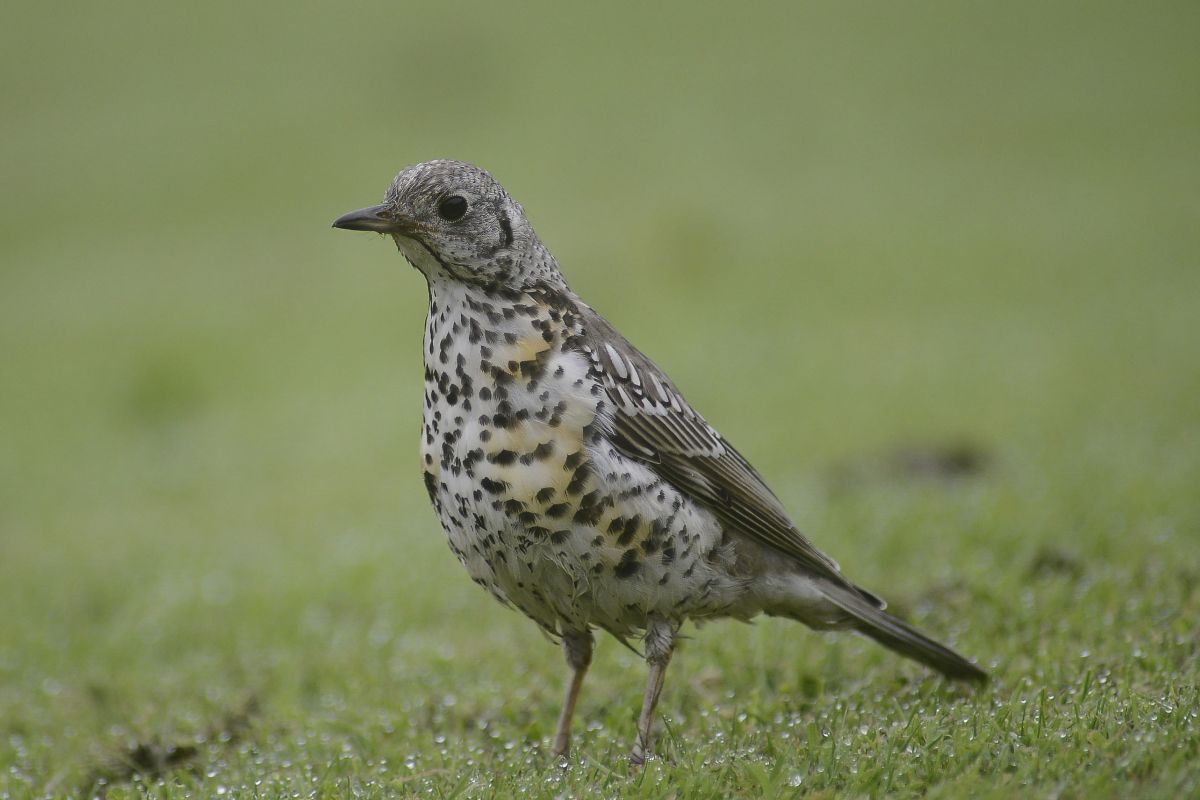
(935, 269)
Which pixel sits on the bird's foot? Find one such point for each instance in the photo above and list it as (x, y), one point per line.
(561, 747)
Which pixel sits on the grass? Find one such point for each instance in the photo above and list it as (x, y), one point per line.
(845, 231)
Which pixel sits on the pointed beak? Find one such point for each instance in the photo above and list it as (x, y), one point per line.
(380, 219)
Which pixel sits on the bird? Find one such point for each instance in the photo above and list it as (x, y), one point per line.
(572, 478)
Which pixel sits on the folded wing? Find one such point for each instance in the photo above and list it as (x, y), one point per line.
(654, 424)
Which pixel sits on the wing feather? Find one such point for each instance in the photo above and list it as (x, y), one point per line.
(654, 424)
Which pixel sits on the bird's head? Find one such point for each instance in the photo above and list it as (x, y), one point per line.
(452, 220)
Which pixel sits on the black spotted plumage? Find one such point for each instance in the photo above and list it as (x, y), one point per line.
(572, 478)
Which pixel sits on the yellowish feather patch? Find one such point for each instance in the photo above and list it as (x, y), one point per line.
(525, 481)
(526, 349)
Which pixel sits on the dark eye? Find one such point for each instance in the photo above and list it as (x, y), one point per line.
(452, 208)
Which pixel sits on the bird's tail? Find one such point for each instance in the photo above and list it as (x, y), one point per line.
(901, 637)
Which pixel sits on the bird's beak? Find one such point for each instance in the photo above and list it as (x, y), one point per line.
(381, 219)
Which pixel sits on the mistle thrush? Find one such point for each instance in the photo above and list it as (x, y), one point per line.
(572, 478)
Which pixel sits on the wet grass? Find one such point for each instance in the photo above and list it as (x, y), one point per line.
(934, 273)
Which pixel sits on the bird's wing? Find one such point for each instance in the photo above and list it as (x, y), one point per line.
(654, 424)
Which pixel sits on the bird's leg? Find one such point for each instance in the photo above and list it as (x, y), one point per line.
(659, 641)
(577, 647)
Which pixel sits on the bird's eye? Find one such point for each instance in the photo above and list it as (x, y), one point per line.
(452, 208)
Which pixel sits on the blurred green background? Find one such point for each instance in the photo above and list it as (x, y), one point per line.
(841, 228)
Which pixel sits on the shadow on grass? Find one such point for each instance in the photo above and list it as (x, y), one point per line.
(151, 759)
(936, 461)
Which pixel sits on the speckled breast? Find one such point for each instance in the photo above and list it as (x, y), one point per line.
(507, 410)
(536, 502)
